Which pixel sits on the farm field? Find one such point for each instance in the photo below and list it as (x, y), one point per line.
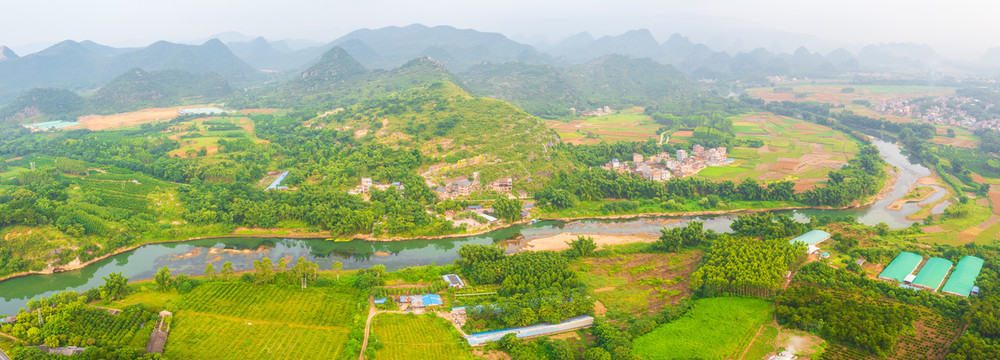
(204, 134)
(409, 336)
(794, 150)
(970, 221)
(623, 125)
(931, 338)
(235, 320)
(639, 283)
(135, 118)
(833, 94)
(715, 328)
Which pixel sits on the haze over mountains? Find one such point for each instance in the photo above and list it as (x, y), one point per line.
(87, 66)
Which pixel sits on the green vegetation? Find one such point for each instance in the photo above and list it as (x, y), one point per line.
(409, 336)
(859, 322)
(534, 287)
(742, 266)
(715, 328)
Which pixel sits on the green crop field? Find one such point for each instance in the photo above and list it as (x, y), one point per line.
(793, 149)
(208, 336)
(235, 320)
(623, 125)
(764, 344)
(409, 336)
(715, 328)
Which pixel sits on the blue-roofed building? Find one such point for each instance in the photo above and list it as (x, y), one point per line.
(810, 239)
(381, 300)
(421, 301)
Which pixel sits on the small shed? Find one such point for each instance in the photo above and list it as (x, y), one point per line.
(381, 300)
(453, 281)
(909, 278)
(824, 255)
(489, 218)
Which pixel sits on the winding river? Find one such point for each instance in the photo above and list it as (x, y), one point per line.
(191, 257)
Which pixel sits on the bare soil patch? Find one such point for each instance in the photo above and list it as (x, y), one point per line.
(932, 229)
(559, 242)
(102, 122)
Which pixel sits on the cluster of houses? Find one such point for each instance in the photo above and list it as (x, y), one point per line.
(462, 188)
(661, 167)
(943, 110)
(367, 185)
(606, 110)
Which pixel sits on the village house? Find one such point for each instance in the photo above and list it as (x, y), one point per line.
(503, 186)
(367, 184)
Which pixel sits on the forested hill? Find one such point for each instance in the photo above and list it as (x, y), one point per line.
(134, 90)
(339, 80)
(453, 128)
(612, 80)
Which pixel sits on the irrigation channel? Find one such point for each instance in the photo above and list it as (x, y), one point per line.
(191, 257)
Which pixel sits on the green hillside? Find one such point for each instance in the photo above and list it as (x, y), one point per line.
(613, 80)
(448, 124)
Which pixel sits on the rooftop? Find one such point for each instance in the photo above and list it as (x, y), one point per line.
(902, 265)
(933, 273)
(812, 237)
(963, 279)
(453, 280)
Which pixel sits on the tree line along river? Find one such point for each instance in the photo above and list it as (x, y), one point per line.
(191, 257)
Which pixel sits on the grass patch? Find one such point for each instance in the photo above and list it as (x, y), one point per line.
(715, 328)
(236, 320)
(409, 336)
(764, 344)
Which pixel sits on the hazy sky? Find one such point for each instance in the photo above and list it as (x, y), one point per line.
(958, 27)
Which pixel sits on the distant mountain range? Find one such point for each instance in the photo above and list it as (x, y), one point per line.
(133, 90)
(552, 70)
(87, 65)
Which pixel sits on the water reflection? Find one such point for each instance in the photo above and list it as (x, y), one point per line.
(191, 257)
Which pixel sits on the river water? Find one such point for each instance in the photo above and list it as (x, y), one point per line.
(191, 257)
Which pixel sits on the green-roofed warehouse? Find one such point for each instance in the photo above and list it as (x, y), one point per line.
(964, 277)
(811, 238)
(932, 275)
(902, 265)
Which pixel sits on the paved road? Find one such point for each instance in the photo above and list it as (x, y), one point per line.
(3, 356)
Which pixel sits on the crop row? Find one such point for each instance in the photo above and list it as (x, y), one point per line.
(273, 303)
(206, 337)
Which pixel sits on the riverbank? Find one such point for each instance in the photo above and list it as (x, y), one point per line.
(292, 233)
(561, 241)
